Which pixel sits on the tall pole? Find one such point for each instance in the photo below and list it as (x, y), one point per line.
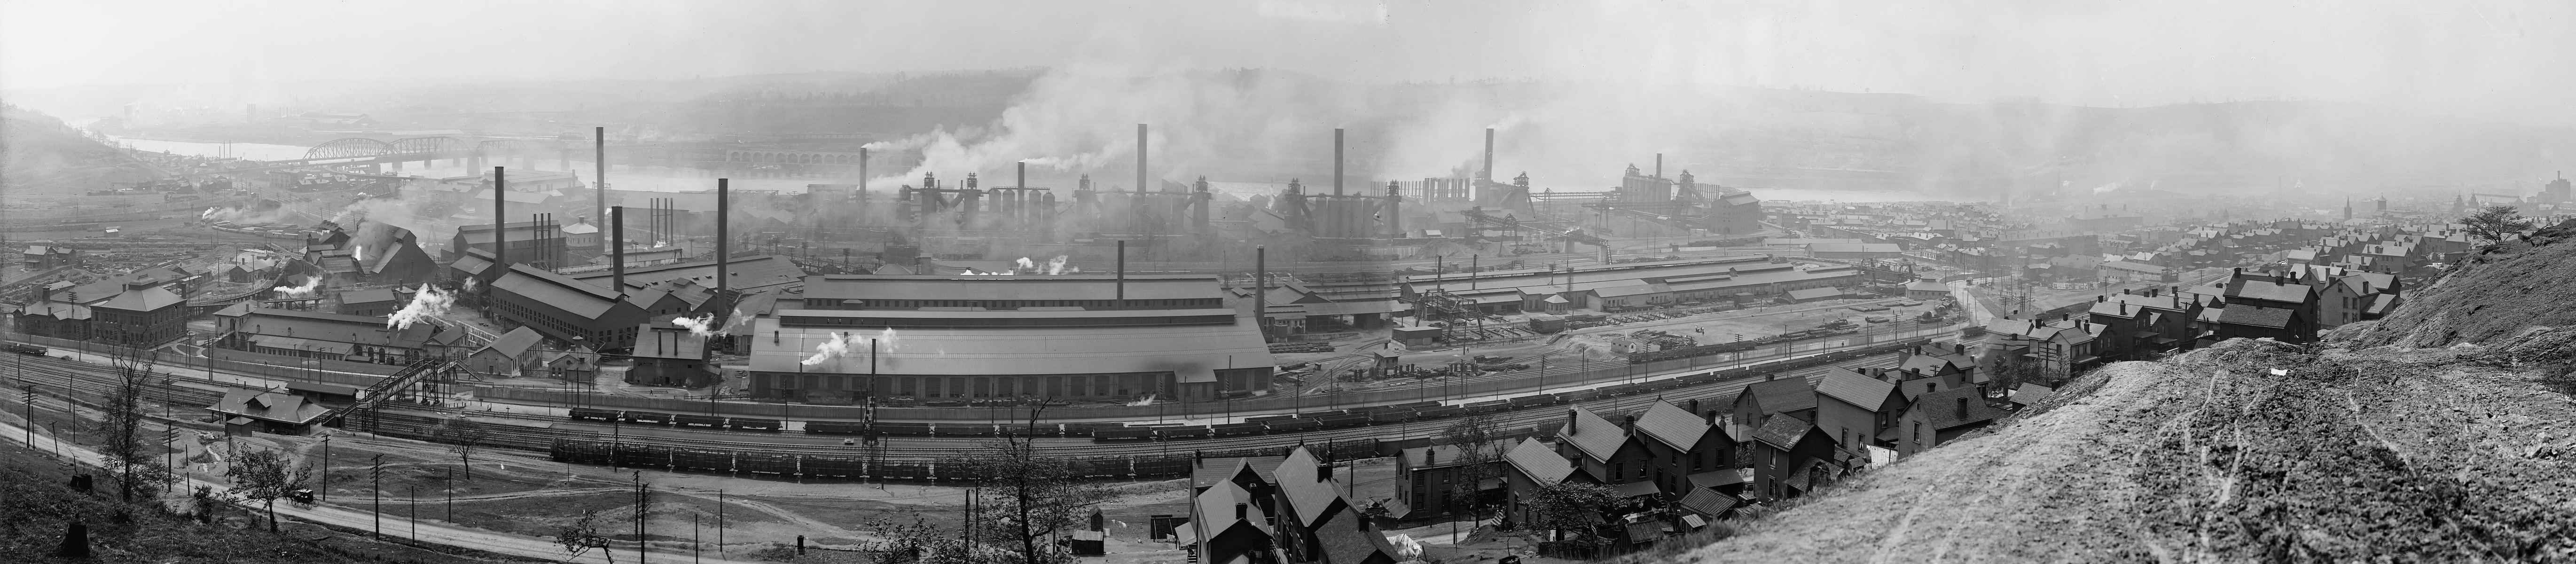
(500, 236)
(1140, 157)
(326, 468)
(1489, 159)
(617, 249)
(599, 154)
(377, 471)
(1122, 275)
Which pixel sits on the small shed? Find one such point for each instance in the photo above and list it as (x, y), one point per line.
(1815, 294)
(506, 355)
(1090, 543)
(1417, 336)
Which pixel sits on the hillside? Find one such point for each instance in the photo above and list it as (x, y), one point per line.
(2365, 449)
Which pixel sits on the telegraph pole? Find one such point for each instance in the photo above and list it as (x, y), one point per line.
(377, 470)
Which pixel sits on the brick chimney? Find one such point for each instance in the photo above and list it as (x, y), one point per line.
(1571, 417)
(1963, 408)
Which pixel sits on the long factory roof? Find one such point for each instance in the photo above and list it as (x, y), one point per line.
(1087, 286)
(1193, 351)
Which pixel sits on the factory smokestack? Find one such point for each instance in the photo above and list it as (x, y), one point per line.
(617, 249)
(723, 209)
(599, 154)
(1140, 157)
(1337, 161)
(1260, 289)
(1489, 160)
(1659, 165)
(1122, 275)
(500, 221)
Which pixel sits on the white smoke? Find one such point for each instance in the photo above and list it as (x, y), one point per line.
(430, 303)
(1144, 401)
(835, 347)
(847, 344)
(305, 290)
(469, 285)
(972, 272)
(1056, 265)
(359, 253)
(1024, 262)
(699, 326)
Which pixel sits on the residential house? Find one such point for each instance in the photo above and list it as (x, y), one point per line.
(1789, 457)
(1604, 450)
(1316, 523)
(1856, 409)
(1430, 481)
(1532, 466)
(1939, 417)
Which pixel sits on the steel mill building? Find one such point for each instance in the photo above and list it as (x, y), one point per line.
(930, 338)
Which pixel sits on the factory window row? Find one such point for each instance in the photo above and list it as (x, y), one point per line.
(904, 323)
(1016, 304)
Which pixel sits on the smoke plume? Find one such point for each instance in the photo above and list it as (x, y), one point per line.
(430, 303)
(304, 289)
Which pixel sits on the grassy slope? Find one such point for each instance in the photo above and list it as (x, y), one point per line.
(2419, 454)
(2366, 449)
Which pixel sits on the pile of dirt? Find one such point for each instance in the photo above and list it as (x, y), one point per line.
(2495, 293)
(2342, 455)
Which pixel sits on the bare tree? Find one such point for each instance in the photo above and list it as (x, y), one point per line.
(122, 439)
(582, 535)
(2494, 222)
(463, 435)
(265, 475)
(1026, 497)
(1479, 442)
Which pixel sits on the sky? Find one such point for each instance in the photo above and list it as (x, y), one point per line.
(2503, 60)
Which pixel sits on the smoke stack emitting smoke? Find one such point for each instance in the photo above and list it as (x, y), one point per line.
(303, 290)
(430, 303)
(843, 344)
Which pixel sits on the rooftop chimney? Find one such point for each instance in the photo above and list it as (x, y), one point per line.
(1570, 418)
(1963, 408)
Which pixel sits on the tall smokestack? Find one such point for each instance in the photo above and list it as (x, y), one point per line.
(1337, 161)
(1489, 158)
(1260, 291)
(1122, 274)
(617, 249)
(723, 270)
(500, 235)
(1659, 165)
(599, 154)
(1140, 157)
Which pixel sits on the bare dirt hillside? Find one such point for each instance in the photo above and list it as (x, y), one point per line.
(2427, 455)
(2496, 293)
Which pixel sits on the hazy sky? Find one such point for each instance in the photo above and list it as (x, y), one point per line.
(2496, 60)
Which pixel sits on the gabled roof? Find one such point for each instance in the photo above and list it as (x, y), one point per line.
(514, 343)
(331, 327)
(543, 286)
(1596, 437)
(1783, 432)
(151, 298)
(2242, 314)
(660, 340)
(1783, 395)
(1709, 502)
(1216, 508)
(1309, 496)
(1941, 409)
(1932, 363)
(1209, 471)
(2271, 290)
(1851, 387)
(1540, 463)
(1673, 426)
(2030, 393)
(270, 405)
(1435, 456)
(57, 310)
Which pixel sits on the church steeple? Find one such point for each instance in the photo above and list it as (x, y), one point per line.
(2347, 208)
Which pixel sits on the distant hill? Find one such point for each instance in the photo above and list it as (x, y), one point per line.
(43, 157)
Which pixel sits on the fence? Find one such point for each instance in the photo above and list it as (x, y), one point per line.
(1605, 372)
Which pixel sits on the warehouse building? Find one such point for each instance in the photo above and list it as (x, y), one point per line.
(1624, 287)
(999, 338)
(329, 336)
(567, 310)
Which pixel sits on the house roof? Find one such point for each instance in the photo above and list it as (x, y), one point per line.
(1784, 432)
(150, 298)
(1941, 408)
(2270, 290)
(1435, 456)
(514, 343)
(1310, 496)
(1674, 426)
(2030, 393)
(1932, 363)
(1596, 437)
(1344, 542)
(1216, 509)
(1783, 395)
(1853, 388)
(1709, 502)
(1208, 471)
(2257, 316)
(57, 310)
(368, 296)
(320, 326)
(1541, 464)
(1634, 489)
(271, 405)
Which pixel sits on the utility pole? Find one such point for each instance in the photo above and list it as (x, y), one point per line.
(640, 512)
(415, 513)
(377, 471)
(326, 468)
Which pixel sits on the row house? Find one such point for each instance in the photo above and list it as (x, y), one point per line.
(1938, 417)
(1292, 513)
(2066, 345)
